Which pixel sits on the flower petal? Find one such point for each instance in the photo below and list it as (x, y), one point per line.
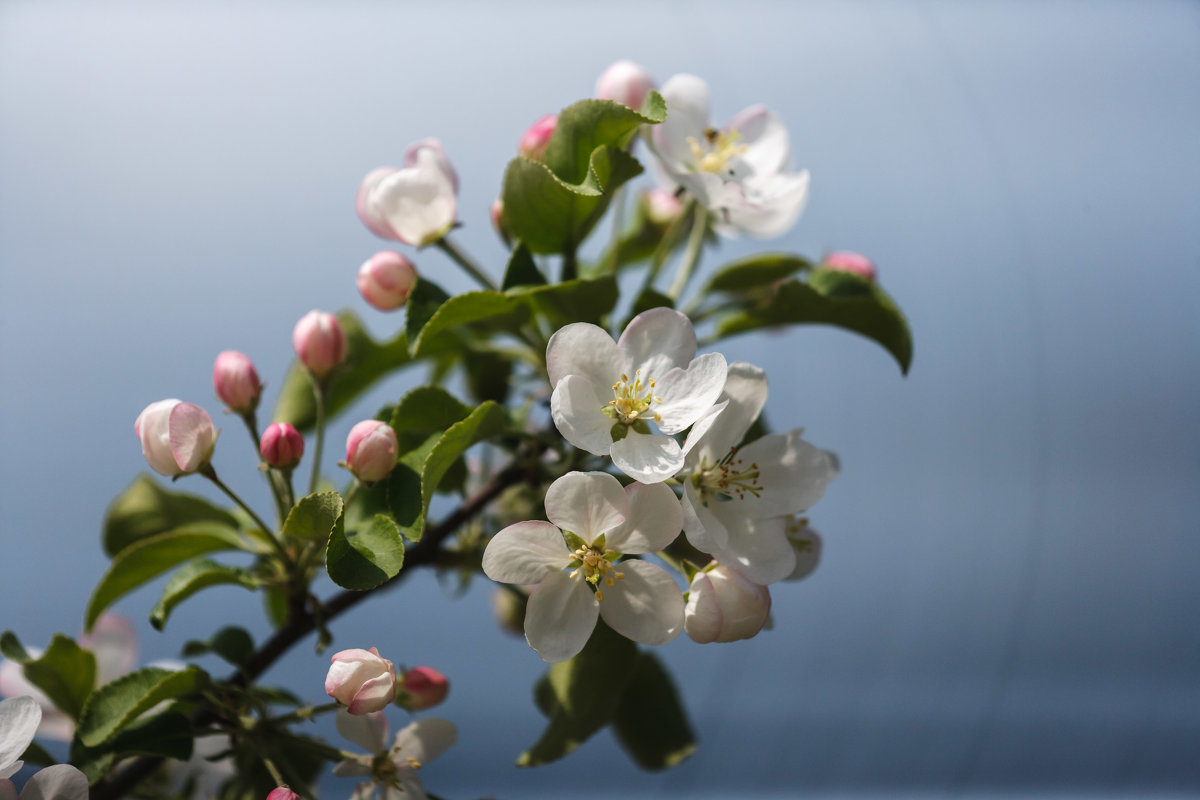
(59, 782)
(656, 341)
(375, 224)
(368, 731)
(645, 606)
(692, 449)
(525, 553)
(768, 150)
(19, 718)
(353, 767)
(807, 544)
(437, 154)
(746, 393)
(702, 614)
(655, 519)
(560, 617)
(577, 409)
(772, 204)
(417, 202)
(648, 458)
(583, 349)
(424, 740)
(744, 604)
(703, 529)
(586, 503)
(793, 474)
(114, 643)
(191, 436)
(687, 394)
(7, 790)
(687, 117)
(758, 548)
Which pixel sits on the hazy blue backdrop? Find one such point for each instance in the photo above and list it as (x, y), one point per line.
(1009, 600)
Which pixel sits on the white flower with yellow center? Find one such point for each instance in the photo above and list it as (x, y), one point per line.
(606, 393)
(742, 173)
(393, 771)
(736, 498)
(574, 561)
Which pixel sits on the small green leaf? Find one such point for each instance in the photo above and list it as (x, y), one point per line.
(756, 272)
(113, 706)
(423, 302)
(579, 300)
(584, 126)
(650, 721)
(231, 643)
(314, 516)
(521, 270)
(831, 297)
(423, 410)
(148, 558)
(488, 374)
(64, 671)
(495, 308)
(191, 578)
(145, 508)
(364, 559)
(168, 735)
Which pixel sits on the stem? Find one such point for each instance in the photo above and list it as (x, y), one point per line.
(307, 713)
(570, 268)
(319, 394)
(691, 256)
(618, 227)
(350, 494)
(471, 268)
(210, 473)
(665, 245)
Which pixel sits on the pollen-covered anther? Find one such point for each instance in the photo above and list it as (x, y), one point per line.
(412, 762)
(724, 146)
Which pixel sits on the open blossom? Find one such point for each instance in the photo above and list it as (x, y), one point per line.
(177, 438)
(723, 606)
(416, 205)
(606, 393)
(735, 497)
(19, 719)
(742, 172)
(393, 769)
(579, 582)
(361, 680)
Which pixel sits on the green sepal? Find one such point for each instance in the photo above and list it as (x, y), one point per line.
(573, 541)
(65, 671)
(110, 708)
(367, 557)
(650, 722)
(146, 508)
(314, 516)
(193, 576)
(231, 643)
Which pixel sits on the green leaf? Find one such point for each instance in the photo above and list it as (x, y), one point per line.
(488, 374)
(191, 578)
(145, 508)
(579, 300)
(494, 307)
(366, 558)
(650, 721)
(425, 410)
(65, 671)
(584, 126)
(113, 706)
(366, 362)
(314, 516)
(425, 298)
(756, 272)
(521, 270)
(150, 557)
(36, 754)
(168, 735)
(580, 695)
(830, 297)
(648, 299)
(231, 643)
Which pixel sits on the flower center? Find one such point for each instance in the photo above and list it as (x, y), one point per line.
(596, 565)
(632, 399)
(728, 479)
(722, 147)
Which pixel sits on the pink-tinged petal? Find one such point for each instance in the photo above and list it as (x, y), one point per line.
(368, 731)
(702, 614)
(431, 149)
(577, 408)
(744, 604)
(758, 548)
(586, 503)
(19, 718)
(583, 349)
(560, 617)
(807, 545)
(655, 342)
(418, 202)
(375, 694)
(688, 394)
(154, 434)
(59, 782)
(7, 790)
(113, 642)
(793, 474)
(647, 458)
(424, 740)
(772, 204)
(362, 203)
(768, 150)
(645, 606)
(744, 396)
(525, 553)
(655, 519)
(703, 529)
(191, 436)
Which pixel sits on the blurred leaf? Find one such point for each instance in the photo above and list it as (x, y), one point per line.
(578, 300)
(36, 754)
(231, 643)
(168, 735)
(831, 297)
(145, 508)
(148, 558)
(191, 578)
(521, 270)
(113, 706)
(425, 298)
(64, 671)
(298, 758)
(755, 272)
(313, 516)
(650, 722)
(494, 307)
(646, 300)
(366, 558)
(488, 374)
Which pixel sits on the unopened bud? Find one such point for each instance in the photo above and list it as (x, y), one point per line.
(283, 793)
(281, 446)
(661, 206)
(371, 450)
(385, 279)
(236, 381)
(177, 438)
(723, 606)
(320, 342)
(533, 143)
(847, 261)
(361, 680)
(624, 82)
(421, 688)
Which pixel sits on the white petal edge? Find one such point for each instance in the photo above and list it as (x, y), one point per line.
(586, 503)
(655, 519)
(758, 549)
(19, 718)
(688, 394)
(368, 731)
(703, 529)
(560, 617)
(577, 409)
(59, 782)
(792, 472)
(647, 458)
(655, 342)
(583, 349)
(702, 614)
(645, 606)
(424, 740)
(745, 393)
(525, 552)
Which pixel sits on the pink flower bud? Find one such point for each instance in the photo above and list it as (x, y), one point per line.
(723, 606)
(533, 143)
(283, 793)
(281, 446)
(371, 450)
(319, 342)
(625, 82)
(361, 680)
(385, 279)
(424, 687)
(375, 223)
(661, 206)
(177, 438)
(847, 261)
(236, 381)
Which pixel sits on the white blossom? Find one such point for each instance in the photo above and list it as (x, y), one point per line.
(393, 771)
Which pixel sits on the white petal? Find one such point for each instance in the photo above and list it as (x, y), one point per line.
(153, 428)
(583, 349)
(766, 139)
(353, 767)
(645, 606)
(704, 531)
(7, 790)
(648, 458)
(417, 202)
(807, 544)
(560, 617)
(376, 224)
(758, 549)
(412, 788)
(744, 604)
(702, 614)
(793, 474)
(424, 740)
(577, 409)
(432, 148)
(746, 393)
(687, 117)
(772, 204)
(655, 519)
(368, 731)
(694, 447)
(19, 718)
(525, 553)
(586, 503)
(687, 394)
(657, 341)
(59, 782)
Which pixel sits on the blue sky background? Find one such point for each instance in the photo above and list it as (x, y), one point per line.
(1008, 601)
